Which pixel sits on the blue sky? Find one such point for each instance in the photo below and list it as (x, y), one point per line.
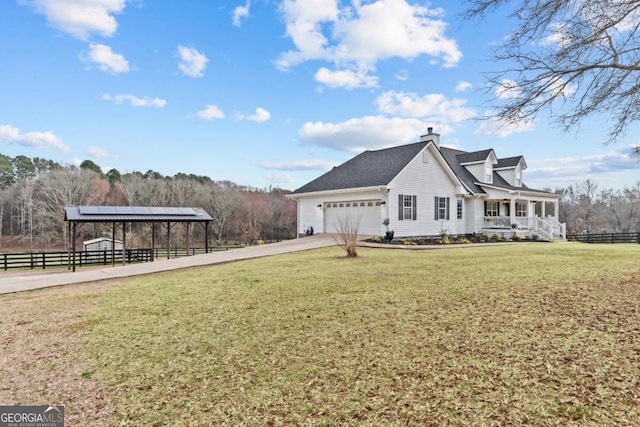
(267, 92)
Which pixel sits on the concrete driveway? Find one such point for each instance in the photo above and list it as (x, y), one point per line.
(32, 279)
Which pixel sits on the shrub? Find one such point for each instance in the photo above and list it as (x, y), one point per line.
(347, 236)
(464, 240)
(534, 237)
(409, 242)
(516, 238)
(377, 239)
(495, 237)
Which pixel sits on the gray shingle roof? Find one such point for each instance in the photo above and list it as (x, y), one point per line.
(474, 157)
(368, 169)
(379, 167)
(452, 157)
(509, 162)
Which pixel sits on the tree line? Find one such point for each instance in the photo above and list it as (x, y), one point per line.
(34, 192)
(588, 209)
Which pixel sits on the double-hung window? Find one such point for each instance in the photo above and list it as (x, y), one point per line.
(459, 209)
(491, 208)
(521, 209)
(441, 208)
(407, 207)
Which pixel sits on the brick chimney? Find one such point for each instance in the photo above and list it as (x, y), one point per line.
(431, 136)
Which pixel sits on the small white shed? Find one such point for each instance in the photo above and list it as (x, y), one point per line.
(102, 244)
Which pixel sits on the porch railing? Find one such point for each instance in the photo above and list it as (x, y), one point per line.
(548, 227)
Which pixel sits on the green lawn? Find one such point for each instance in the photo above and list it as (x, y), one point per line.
(530, 334)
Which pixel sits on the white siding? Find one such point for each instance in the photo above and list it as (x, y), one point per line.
(426, 181)
(309, 214)
(477, 170)
(475, 223)
(509, 175)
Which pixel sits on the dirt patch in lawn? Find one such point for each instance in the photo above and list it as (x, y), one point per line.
(43, 359)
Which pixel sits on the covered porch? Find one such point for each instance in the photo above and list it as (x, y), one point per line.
(524, 216)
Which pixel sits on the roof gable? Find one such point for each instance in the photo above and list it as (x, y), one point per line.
(510, 163)
(452, 157)
(380, 167)
(368, 169)
(475, 157)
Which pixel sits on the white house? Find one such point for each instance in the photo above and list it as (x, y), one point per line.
(424, 189)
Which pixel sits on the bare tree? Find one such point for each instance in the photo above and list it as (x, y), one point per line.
(347, 236)
(576, 58)
(222, 203)
(133, 187)
(65, 187)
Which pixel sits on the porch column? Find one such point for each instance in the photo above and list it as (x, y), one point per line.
(512, 211)
(543, 212)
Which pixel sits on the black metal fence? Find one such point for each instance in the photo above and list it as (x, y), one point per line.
(44, 260)
(605, 238)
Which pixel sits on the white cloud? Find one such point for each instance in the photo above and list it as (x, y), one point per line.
(239, 13)
(348, 79)
(210, 112)
(402, 75)
(299, 165)
(575, 169)
(558, 35)
(106, 59)
(281, 178)
(364, 33)
(135, 101)
(80, 18)
(508, 89)
(192, 63)
(75, 162)
(100, 153)
(260, 116)
(462, 86)
(358, 134)
(502, 129)
(433, 106)
(12, 134)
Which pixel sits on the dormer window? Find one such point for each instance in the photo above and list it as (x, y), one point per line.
(488, 175)
(518, 179)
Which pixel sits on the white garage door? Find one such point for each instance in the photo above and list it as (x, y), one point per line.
(365, 211)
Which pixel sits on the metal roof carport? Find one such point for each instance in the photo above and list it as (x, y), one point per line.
(122, 214)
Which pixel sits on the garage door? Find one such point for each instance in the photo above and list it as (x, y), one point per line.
(366, 211)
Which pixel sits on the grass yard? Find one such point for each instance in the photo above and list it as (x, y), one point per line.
(528, 334)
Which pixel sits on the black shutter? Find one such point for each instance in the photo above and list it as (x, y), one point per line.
(415, 207)
(435, 209)
(485, 208)
(447, 208)
(400, 206)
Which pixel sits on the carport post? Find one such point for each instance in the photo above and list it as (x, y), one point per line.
(73, 245)
(168, 240)
(113, 244)
(124, 242)
(206, 237)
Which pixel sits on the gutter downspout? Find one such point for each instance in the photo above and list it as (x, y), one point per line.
(289, 196)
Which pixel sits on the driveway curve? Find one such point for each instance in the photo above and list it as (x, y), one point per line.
(16, 282)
